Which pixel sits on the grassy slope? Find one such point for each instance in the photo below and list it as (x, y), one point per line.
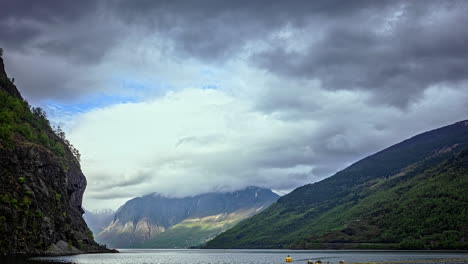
(196, 231)
(427, 210)
(410, 207)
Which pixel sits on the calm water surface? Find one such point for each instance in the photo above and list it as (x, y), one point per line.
(196, 256)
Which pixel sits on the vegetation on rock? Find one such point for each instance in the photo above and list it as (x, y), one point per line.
(41, 181)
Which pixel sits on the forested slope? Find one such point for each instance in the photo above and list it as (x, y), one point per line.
(411, 195)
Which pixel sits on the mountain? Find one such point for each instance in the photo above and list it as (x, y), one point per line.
(97, 221)
(41, 182)
(410, 195)
(155, 221)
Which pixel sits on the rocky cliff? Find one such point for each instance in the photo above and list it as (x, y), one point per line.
(42, 184)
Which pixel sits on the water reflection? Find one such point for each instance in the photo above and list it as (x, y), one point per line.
(247, 257)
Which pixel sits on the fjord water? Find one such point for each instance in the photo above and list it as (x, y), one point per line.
(195, 256)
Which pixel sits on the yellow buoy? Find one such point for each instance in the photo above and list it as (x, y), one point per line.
(288, 259)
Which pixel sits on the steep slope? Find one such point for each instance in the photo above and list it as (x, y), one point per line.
(197, 231)
(411, 195)
(41, 183)
(421, 207)
(144, 221)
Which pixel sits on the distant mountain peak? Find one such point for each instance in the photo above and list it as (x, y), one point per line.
(241, 190)
(463, 123)
(144, 218)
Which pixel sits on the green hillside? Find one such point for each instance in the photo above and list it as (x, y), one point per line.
(411, 195)
(196, 231)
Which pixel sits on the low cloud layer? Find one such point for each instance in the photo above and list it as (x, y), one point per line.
(183, 97)
(195, 141)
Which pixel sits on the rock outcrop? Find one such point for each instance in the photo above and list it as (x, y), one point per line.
(42, 184)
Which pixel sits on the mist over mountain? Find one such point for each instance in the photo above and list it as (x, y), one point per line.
(98, 220)
(157, 221)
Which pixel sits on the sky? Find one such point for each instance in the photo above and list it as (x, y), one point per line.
(188, 97)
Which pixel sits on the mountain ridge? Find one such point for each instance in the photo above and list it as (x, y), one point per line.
(143, 219)
(298, 219)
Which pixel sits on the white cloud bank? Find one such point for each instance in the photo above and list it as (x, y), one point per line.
(194, 141)
(182, 144)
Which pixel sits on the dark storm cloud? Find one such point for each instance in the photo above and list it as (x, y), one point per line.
(395, 49)
(50, 45)
(22, 21)
(49, 11)
(213, 29)
(206, 29)
(15, 37)
(425, 46)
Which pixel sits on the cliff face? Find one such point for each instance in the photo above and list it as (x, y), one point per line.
(42, 184)
(5, 84)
